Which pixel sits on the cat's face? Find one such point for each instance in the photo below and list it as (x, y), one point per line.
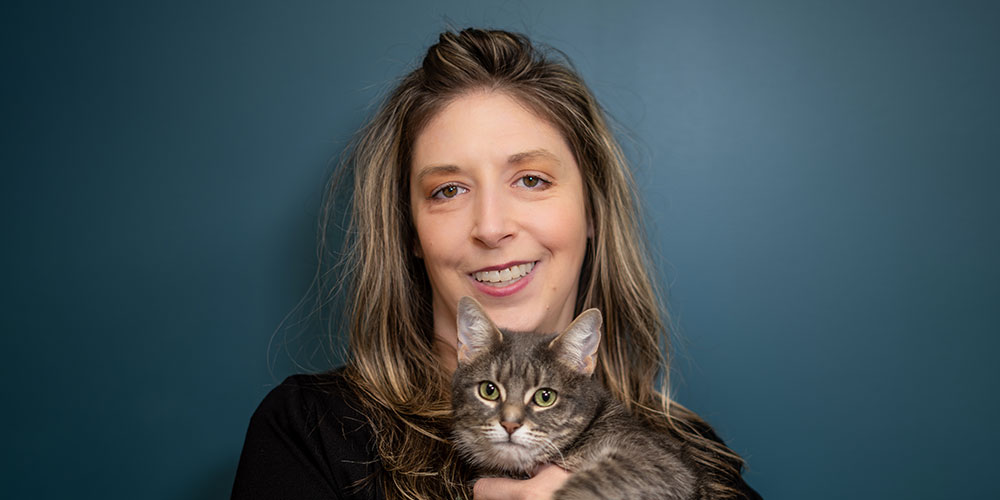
(520, 398)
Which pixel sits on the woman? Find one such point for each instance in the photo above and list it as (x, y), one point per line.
(490, 172)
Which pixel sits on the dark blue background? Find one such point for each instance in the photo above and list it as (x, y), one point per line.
(820, 181)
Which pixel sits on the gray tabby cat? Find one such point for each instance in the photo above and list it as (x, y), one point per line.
(525, 399)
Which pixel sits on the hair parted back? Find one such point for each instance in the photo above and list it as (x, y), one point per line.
(392, 364)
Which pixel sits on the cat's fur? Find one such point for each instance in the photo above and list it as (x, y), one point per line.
(586, 431)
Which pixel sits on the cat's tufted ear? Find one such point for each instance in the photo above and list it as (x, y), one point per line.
(476, 332)
(577, 345)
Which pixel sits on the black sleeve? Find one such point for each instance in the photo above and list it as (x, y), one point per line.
(740, 484)
(307, 441)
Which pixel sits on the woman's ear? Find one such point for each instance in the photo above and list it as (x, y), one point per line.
(590, 227)
(417, 251)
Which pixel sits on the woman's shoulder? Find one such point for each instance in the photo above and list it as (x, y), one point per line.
(329, 393)
(315, 403)
(308, 435)
(739, 484)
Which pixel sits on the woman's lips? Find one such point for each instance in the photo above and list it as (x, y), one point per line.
(501, 275)
(500, 281)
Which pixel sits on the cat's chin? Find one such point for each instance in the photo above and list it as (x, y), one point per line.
(510, 457)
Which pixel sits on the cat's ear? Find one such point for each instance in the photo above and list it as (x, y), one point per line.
(577, 345)
(476, 332)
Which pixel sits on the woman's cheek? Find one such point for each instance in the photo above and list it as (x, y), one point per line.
(562, 224)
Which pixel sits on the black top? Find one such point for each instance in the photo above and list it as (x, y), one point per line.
(308, 440)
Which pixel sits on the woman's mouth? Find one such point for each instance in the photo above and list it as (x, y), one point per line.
(503, 281)
(504, 277)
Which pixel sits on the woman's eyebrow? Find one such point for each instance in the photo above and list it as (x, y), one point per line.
(514, 159)
(436, 169)
(534, 154)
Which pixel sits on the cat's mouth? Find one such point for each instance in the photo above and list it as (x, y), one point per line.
(508, 446)
(503, 276)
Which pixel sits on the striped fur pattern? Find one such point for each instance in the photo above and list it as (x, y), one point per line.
(502, 430)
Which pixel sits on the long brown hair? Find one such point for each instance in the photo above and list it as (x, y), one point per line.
(392, 364)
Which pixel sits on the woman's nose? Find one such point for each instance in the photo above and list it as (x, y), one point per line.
(494, 221)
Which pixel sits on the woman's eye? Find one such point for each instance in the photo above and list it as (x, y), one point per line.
(449, 191)
(489, 391)
(532, 181)
(545, 397)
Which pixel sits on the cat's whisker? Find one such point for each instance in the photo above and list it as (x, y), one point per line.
(548, 442)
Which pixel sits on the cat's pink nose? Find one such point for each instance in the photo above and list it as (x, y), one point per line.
(510, 426)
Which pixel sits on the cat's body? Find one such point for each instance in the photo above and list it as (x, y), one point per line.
(526, 399)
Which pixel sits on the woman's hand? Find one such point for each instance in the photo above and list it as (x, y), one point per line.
(547, 479)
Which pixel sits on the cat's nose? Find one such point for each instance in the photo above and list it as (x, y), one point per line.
(510, 426)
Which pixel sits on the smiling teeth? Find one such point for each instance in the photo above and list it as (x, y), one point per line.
(512, 273)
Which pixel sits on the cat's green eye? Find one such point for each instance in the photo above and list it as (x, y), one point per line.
(489, 391)
(544, 397)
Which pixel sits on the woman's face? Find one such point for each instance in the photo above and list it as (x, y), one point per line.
(498, 204)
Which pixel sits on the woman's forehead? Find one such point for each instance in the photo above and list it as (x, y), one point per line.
(488, 127)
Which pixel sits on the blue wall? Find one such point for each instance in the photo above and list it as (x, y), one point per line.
(820, 180)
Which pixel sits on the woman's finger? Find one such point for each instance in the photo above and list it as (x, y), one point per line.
(497, 488)
(546, 481)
